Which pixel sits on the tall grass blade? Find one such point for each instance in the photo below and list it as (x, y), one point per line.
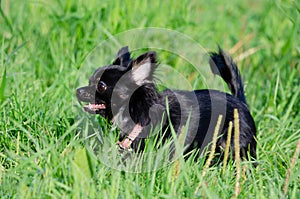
(3, 85)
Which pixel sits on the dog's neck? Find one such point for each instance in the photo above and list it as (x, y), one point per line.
(141, 102)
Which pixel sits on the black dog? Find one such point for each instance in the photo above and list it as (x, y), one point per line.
(124, 92)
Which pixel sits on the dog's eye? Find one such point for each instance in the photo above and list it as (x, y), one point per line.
(101, 87)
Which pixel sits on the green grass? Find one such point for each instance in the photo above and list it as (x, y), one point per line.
(42, 60)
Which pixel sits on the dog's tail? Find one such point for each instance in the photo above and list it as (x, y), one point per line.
(222, 64)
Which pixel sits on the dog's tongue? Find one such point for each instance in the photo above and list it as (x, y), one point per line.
(94, 107)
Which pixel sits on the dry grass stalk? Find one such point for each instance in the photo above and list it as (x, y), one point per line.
(213, 147)
(177, 166)
(288, 173)
(238, 45)
(246, 54)
(212, 152)
(226, 151)
(237, 153)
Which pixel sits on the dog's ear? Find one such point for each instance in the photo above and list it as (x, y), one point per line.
(123, 57)
(143, 68)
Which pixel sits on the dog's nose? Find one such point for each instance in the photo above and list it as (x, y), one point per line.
(81, 93)
(78, 92)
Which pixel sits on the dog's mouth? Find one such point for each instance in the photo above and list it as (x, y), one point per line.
(95, 108)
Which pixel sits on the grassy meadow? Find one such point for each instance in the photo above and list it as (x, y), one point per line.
(44, 46)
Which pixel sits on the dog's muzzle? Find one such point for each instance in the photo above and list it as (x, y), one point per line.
(93, 107)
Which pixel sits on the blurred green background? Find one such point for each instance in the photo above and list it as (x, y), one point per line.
(43, 47)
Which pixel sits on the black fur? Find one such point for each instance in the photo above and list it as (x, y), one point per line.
(127, 90)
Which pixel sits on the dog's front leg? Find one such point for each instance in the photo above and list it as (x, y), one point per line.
(127, 141)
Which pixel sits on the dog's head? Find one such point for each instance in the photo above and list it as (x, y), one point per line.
(118, 80)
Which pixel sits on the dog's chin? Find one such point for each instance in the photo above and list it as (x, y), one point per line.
(96, 109)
